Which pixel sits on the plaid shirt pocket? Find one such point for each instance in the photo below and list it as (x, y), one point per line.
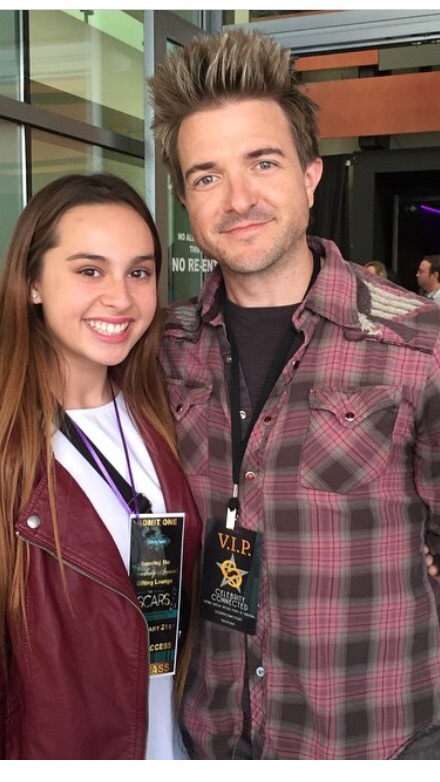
(349, 436)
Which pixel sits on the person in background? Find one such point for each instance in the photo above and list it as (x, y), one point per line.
(428, 277)
(79, 330)
(376, 267)
(306, 396)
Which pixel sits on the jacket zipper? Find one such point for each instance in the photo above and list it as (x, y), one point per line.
(83, 573)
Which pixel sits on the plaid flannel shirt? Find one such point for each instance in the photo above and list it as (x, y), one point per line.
(341, 475)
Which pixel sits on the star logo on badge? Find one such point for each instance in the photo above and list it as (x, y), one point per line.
(232, 575)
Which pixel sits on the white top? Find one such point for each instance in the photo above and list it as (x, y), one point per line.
(100, 425)
(435, 295)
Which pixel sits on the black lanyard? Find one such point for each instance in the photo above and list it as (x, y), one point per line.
(239, 444)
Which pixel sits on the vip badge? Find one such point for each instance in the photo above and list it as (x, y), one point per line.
(230, 579)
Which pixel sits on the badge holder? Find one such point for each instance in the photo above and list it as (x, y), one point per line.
(156, 573)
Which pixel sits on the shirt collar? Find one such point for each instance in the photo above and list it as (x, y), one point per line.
(333, 294)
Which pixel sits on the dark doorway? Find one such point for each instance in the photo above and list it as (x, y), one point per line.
(393, 196)
(416, 234)
(407, 221)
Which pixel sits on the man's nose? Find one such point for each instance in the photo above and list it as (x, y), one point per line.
(240, 194)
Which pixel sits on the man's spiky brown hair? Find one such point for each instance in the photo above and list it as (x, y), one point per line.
(232, 65)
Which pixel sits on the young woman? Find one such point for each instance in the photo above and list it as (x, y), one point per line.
(79, 329)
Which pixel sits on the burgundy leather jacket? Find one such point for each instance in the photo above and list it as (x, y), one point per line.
(77, 681)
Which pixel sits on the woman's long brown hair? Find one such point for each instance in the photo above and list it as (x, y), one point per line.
(28, 361)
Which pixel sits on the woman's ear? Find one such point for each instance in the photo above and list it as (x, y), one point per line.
(35, 296)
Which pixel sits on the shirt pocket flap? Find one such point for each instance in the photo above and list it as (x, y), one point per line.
(353, 406)
(183, 396)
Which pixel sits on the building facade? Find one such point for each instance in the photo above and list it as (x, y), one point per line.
(73, 99)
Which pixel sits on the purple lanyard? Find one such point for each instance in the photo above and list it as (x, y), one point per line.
(102, 467)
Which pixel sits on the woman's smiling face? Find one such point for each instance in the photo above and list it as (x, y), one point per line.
(97, 287)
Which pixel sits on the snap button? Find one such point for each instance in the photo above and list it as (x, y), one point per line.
(250, 476)
(179, 408)
(228, 359)
(33, 522)
(349, 416)
(267, 419)
(296, 364)
(243, 414)
(260, 671)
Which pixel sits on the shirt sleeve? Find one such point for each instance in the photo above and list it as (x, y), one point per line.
(427, 452)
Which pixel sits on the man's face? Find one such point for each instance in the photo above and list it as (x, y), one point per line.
(247, 197)
(425, 279)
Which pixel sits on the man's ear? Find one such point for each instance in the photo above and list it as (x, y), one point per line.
(312, 176)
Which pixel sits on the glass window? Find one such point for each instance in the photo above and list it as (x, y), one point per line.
(10, 54)
(11, 181)
(88, 66)
(195, 17)
(52, 156)
(257, 16)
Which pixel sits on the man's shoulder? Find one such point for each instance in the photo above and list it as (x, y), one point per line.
(380, 309)
(397, 312)
(183, 317)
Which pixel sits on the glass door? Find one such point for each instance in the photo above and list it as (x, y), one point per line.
(184, 266)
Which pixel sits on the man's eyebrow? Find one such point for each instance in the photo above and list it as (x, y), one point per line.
(253, 154)
(265, 151)
(209, 165)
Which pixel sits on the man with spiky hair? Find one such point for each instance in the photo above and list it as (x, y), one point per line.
(306, 395)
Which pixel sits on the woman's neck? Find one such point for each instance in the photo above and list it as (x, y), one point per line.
(83, 394)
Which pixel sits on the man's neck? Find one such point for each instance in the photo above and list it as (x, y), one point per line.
(270, 288)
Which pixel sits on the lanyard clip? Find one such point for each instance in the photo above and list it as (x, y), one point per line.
(232, 510)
